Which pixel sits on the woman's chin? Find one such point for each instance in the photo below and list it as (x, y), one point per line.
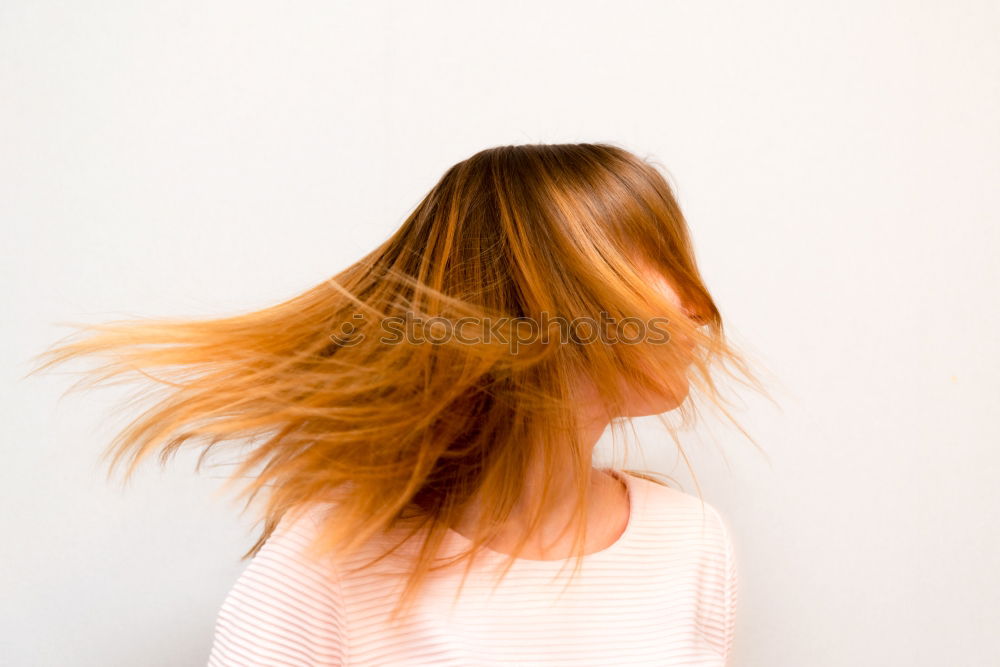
(660, 404)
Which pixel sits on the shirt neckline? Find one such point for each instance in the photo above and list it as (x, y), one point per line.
(609, 550)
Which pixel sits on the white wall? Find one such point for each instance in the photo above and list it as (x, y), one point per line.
(838, 163)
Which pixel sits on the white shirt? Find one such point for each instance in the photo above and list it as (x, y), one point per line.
(665, 593)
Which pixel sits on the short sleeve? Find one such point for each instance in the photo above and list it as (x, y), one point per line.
(283, 609)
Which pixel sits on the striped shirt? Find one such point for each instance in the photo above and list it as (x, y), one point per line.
(664, 593)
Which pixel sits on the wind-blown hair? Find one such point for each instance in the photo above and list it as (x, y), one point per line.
(345, 404)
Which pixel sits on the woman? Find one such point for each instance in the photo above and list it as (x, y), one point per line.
(426, 421)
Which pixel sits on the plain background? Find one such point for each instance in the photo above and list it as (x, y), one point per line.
(838, 163)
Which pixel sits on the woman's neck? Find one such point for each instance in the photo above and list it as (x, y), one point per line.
(607, 516)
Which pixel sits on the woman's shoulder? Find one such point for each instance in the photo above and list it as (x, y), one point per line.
(284, 606)
(663, 491)
(669, 509)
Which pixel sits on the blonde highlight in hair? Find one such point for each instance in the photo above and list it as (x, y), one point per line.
(400, 437)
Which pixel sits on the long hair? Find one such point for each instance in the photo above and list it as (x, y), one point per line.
(422, 377)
